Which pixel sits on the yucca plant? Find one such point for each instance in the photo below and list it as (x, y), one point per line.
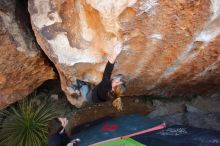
(26, 124)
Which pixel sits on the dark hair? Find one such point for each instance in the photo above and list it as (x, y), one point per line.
(54, 126)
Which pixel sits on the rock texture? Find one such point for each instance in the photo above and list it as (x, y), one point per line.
(170, 47)
(22, 65)
(204, 105)
(199, 120)
(162, 108)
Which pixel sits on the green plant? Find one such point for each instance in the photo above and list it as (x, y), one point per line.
(26, 124)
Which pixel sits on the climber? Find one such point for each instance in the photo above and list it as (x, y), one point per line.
(109, 88)
(56, 132)
(57, 135)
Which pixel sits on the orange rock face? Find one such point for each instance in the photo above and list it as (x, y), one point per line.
(22, 65)
(170, 47)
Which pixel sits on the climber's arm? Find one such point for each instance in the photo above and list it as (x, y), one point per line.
(111, 60)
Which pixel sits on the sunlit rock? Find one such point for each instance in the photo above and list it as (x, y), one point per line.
(170, 47)
(22, 65)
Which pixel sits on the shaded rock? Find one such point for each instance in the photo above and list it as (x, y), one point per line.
(199, 120)
(204, 104)
(170, 48)
(163, 108)
(54, 97)
(22, 65)
(192, 109)
(36, 101)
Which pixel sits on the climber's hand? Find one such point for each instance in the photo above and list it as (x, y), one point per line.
(77, 92)
(116, 51)
(73, 90)
(74, 141)
(117, 48)
(63, 121)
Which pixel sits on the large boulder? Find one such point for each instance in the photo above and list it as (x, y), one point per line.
(170, 47)
(22, 65)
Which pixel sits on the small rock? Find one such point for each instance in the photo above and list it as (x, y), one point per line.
(209, 104)
(54, 97)
(136, 101)
(36, 101)
(192, 109)
(163, 108)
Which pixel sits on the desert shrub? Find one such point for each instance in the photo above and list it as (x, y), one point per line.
(26, 124)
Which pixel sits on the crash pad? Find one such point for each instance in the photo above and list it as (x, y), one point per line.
(180, 135)
(116, 129)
